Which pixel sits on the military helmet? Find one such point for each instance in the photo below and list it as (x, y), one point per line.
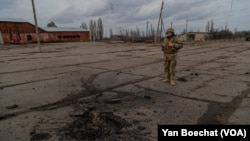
(170, 30)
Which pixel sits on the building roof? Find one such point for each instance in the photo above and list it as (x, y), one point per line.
(191, 33)
(13, 20)
(63, 29)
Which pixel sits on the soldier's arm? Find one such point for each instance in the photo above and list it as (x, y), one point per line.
(163, 45)
(178, 44)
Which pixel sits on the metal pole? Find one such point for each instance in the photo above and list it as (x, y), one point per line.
(37, 31)
(147, 30)
(159, 31)
(162, 26)
(186, 25)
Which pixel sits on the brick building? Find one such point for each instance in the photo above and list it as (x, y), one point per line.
(20, 31)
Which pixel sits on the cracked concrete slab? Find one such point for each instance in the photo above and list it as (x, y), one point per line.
(153, 69)
(42, 87)
(191, 83)
(20, 127)
(39, 93)
(241, 116)
(113, 79)
(122, 63)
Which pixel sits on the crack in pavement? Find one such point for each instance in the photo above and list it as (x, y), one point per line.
(89, 90)
(219, 113)
(18, 84)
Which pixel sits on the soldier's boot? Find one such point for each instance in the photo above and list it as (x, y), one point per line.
(165, 80)
(172, 82)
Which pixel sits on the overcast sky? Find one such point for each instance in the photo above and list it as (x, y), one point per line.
(129, 14)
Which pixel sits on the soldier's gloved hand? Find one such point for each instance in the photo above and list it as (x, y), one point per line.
(171, 44)
(163, 45)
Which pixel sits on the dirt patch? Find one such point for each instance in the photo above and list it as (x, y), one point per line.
(100, 126)
(40, 136)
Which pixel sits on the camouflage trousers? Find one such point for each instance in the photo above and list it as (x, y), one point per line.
(169, 65)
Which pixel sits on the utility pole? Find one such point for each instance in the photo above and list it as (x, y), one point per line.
(147, 30)
(226, 26)
(37, 31)
(162, 26)
(187, 25)
(151, 32)
(235, 32)
(159, 27)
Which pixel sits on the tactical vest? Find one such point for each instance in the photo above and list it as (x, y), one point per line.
(167, 49)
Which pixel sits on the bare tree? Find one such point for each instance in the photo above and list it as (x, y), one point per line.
(100, 29)
(184, 31)
(84, 26)
(133, 34)
(111, 32)
(152, 31)
(212, 26)
(51, 24)
(226, 26)
(138, 33)
(143, 34)
(95, 31)
(121, 32)
(208, 27)
(91, 27)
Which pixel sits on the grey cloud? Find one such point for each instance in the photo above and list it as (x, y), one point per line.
(130, 13)
(7, 4)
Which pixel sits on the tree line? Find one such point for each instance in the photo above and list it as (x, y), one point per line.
(97, 32)
(96, 29)
(136, 34)
(224, 33)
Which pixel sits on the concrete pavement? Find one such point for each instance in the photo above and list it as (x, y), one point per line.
(39, 90)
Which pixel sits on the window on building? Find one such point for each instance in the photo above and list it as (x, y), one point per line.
(29, 37)
(71, 36)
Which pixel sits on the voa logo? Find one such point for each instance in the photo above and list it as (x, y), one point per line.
(233, 132)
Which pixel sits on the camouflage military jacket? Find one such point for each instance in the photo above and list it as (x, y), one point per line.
(171, 49)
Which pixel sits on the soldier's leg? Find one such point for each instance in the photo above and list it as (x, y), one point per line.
(167, 70)
(164, 59)
(172, 71)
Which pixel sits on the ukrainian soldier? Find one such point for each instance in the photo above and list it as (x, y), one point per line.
(170, 47)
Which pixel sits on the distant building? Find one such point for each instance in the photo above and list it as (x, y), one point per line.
(194, 36)
(20, 31)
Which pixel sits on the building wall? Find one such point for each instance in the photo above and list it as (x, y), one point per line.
(183, 37)
(200, 37)
(15, 32)
(1, 39)
(7, 27)
(194, 36)
(65, 37)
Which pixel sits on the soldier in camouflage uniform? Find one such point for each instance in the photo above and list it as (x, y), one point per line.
(170, 47)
